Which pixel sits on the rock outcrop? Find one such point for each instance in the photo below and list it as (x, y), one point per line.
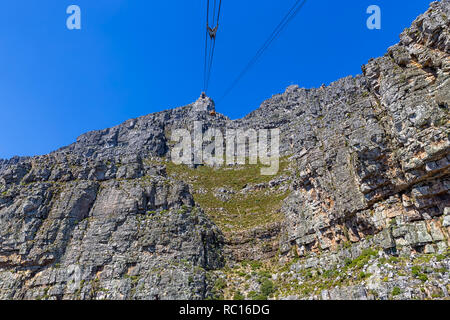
(364, 205)
(378, 159)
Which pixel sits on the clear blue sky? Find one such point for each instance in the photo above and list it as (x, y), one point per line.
(134, 57)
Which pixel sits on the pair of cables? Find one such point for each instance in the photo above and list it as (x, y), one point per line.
(212, 25)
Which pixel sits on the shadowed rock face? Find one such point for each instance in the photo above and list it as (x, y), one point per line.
(370, 169)
(134, 239)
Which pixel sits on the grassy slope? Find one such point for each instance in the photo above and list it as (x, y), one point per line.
(243, 210)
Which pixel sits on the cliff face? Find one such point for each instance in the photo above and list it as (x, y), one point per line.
(378, 151)
(360, 208)
(142, 237)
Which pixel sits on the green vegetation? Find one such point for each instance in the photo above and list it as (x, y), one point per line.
(440, 257)
(347, 261)
(133, 279)
(242, 211)
(220, 284)
(396, 291)
(238, 296)
(394, 260)
(423, 277)
(362, 275)
(267, 288)
(255, 265)
(233, 177)
(442, 270)
(362, 260)
(417, 272)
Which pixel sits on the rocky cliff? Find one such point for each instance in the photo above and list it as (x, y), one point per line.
(358, 210)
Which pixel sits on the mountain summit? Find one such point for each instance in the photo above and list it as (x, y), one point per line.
(204, 103)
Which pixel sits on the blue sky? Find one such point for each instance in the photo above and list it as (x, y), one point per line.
(134, 57)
